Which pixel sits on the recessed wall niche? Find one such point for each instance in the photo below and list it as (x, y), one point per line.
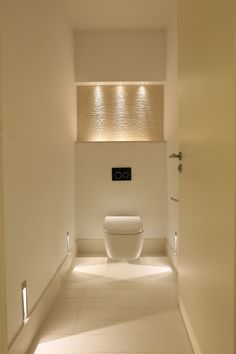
(120, 112)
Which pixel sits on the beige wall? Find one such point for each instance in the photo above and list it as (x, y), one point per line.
(120, 113)
(120, 56)
(39, 124)
(97, 195)
(207, 184)
(171, 134)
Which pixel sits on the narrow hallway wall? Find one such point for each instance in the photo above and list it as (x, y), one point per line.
(39, 123)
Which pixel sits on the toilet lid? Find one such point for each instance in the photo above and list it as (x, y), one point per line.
(123, 225)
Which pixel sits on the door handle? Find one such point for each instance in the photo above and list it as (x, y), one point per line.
(176, 156)
(174, 199)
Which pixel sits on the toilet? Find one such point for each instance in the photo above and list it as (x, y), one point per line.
(123, 237)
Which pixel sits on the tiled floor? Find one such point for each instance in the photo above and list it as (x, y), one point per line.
(116, 307)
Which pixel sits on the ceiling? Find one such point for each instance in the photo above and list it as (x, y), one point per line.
(88, 15)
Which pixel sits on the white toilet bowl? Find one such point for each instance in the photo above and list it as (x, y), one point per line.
(123, 237)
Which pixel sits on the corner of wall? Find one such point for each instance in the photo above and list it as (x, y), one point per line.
(26, 334)
(192, 336)
(172, 256)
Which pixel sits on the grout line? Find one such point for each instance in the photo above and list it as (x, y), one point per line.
(172, 312)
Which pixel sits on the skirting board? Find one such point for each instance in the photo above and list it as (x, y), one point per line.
(172, 256)
(28, 331)
(95, 247)
(190, 330)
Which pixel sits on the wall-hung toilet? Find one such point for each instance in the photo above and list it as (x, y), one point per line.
(123, 237)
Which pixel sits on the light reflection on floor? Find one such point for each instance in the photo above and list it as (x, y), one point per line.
(115, 307)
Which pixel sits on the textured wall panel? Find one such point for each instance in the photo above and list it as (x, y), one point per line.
(120, 113)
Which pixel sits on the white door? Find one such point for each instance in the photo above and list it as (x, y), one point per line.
(206, 89)
(3, 331)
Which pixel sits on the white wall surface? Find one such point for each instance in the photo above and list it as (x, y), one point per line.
(206, 56)
(171, 131)
(39, 127)
(120, 56)
(97, 195)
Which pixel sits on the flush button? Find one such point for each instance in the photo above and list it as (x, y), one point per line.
(121, 173)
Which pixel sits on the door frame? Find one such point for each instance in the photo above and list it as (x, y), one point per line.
(3, 316)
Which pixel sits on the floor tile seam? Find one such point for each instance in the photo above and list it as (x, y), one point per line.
(79, 311)
(121, 321)
(137, 306)
(73, 296)
(154, 304)
(130, 297)
(66, 307)
(69, 297)
(58, 320)
(130, 307)
(131, 334)
(73, 289)
(125, 318)
(121, 334)
(131, 287)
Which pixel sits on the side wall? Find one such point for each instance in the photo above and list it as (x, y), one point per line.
(39, 124)
(171, 136)
(97, 195)
(120, 56)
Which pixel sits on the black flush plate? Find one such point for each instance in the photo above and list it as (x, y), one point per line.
(121, 173)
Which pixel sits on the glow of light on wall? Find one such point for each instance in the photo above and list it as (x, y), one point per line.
(121, 113)
(98, 114)
(142, 109)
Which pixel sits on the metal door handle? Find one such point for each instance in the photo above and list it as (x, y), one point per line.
(176, 156)
(174, 199)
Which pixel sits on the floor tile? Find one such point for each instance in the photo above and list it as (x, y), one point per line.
(57, 326)
(124, 314)
(111, 307)
(72, 292)
(108, 284)
(62, 313)
(129, 302)
(137, 326)
(126, 343)
(74, 284)
(130, 293)
(51, 344)
(67, 302)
